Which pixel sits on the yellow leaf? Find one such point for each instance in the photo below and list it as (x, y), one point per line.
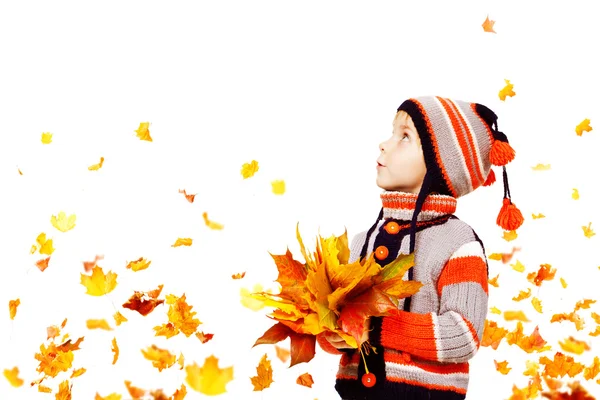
(587, 230)
(138, 265)
(115, 349)
(563, 283)
(12, 307)
(78, 372)
(495, 256)
(540, 215)
(522, 295)
(509, 235)
(506, 90)
(19, 169)
(119, 318)
(518, 266)
(181, 319)
(573, 345)
(515, 316)
(249, 301)
(44, 389)
(264, 376)
(99, 284)
(96, 167)
(583, 126)
(494, 281)
(531, 368)
(575, 194)
(249, 169)
(182, 242)
(143, 132)
(160, 358)
(488, 25)
(209, 378)
(62, 223)
(537, 304)
(13, 377)
(211, 224)
(278, 187)
(45, 244)
(181, 360)
(46, 138)
(112, 396)
(64, 391)
(495, 310)
(98, 324)
(541, 167)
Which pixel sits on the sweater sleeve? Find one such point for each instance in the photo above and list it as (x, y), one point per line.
(454, 333)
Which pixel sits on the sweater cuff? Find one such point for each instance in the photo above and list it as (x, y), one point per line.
(409, 332)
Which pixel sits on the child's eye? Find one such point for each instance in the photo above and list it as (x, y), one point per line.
(405, 136)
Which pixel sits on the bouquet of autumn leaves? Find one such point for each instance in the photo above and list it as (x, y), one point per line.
(329, 294)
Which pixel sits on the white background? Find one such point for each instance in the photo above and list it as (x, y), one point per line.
(308, 89)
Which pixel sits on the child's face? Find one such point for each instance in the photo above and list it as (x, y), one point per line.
(401, 164)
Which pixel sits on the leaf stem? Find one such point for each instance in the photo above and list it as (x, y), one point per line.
(363, 358)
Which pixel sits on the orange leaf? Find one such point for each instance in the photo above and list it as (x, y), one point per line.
(115, 349)
(282, 354)
(209, 378)
(572, 316)
(98, 324)
(573, 345)
(533, 342)
(135, 392)
(144, 302)
(160, 358)
(264, 376)
(577, 392)
(42, 264)
(305, 380)
(488, 25)
(78, 372)
(494, 281)
(544, 273)
(274, 334)
(181, 318)
(523, 294)
(585, 303)
(593, 370)
(189, 197)
(119, 318)
(239, 275)
(12, 307)
(204, 337)
(561, 365)
(182, 242)
(515, 315)
(88, 265)
(138, 265)
(64, 391)
(502, 367)
(302, 348)
(492, 334)
(13, 377)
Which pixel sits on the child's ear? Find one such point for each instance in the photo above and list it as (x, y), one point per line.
(488, 115)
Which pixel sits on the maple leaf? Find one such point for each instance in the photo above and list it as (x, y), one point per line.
(144, 302)
(572, 316)
(89, 265)
(96, 167)
(509, 235)
(115, 349)
(248, 300)
(577, 392)
(494, 281)
(62, 222)
(561, 365)
(492, 334)
(488, 25)
(585, 303)
(138, 265)
(52, 360)
(573, 345)
(135, 392)
(211, 224)
(264, 376)
(502, 367)
(532, 368)
(282, 354)
(45, 244)
(98, 324)
(302, 348)
(204, 337)
(249, 169)
(181, 318)
(583, 126)
(64, 391)
(160, 358)
(119, 318)
(99, 284)
(530, 343)
(13, 377)
(12, 307)
(587, 230)
(46, 137)
(42, 264)
(278, 187)
(541, 167)
(575, 194)
(506, 90)
(78, 372)
(544, 273)
(143, 132)
(208, 379)
(523, 294)
(182, 242)
(238, 275)
(593, 370)
(189, 197)
(305, 380)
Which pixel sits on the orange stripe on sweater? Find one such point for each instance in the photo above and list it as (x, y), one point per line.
(410, 332)
(438, 368)
(463, 269)
(427, 385)
(462, 143)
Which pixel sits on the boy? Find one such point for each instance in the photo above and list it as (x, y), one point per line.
(440, 150)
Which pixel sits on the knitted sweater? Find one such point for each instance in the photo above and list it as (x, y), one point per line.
(423, 352)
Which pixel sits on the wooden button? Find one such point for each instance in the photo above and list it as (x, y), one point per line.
(381, 252)
(392, 227)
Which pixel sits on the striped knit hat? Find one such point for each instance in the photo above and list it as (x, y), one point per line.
(460, 142)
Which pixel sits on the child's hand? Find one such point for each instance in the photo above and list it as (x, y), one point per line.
(339, 343)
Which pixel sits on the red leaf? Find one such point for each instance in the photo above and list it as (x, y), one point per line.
(274, 334)
(302, 348)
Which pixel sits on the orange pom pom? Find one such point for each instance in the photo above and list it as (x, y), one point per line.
(510, 217)
(491, 178)
(501, 153)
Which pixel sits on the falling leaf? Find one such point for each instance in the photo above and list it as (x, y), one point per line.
(115, 349)
(495, 256)
(42, 264)
(264, 376)
(89, 265)
(248, 301)
(573, 345)
(45, 244)
(188, 197)
(494, 281)
(112, 396)
(587, 230)
(506, 90)
(596, 317)
(143, 132)
(561, 365)
(249, 169)
(305, 380)
(44, 389)
(537, 304)
(278, 187)
(492, 334)
(531, 368)
(515, 316)
(585, 304)
(98, 324)
(495, 310)
(238, 275)
(211, 224)
(575, 194)
(181, 360)
(282, 353)
(78, 372)
(204, 337)
(62, 222)
(99, 284)
(506, 257)
(134, 392)
(541, 167)
(181, 318)
(119, 318)
(46, 137)
(544, 273)
(583, 126)
(488, 25)
(182, 242)
(19, 170)
(208, 379)
(13, 377)
(160, 358)
(144, 302)
(518, 266)
(523, 294)
(540, 215)
(572, 317)
(502, 367)
(593, 370)
(528, 343)
(138, 265)
(12, 307)
(96, 167)
(563, 283)
(509, 235)
(64, 391)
